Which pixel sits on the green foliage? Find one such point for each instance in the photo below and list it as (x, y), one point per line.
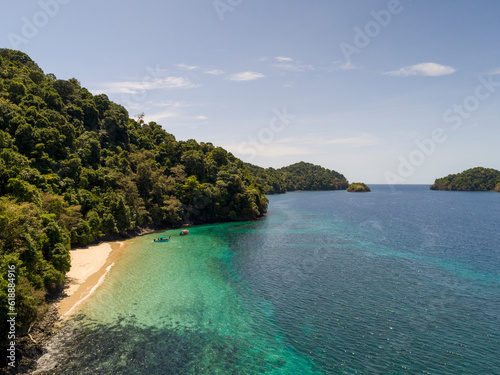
(37, 243)
(298, 176)
(358, 187)
(475, 179)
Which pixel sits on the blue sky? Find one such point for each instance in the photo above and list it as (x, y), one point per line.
(381, 91)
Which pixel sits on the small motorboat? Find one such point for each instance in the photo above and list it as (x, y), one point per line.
(162, 239)
(184, 232)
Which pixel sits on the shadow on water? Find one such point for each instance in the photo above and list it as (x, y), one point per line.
(125, 347)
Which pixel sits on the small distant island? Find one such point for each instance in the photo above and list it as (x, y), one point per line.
(474, 179)
(358, 187)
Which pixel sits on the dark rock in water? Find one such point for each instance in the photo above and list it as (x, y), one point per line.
(126, 347)
(31, 346)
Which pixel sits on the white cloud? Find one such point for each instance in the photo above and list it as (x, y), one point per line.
(288, 67)
(347, 66)
(340, 65)
(423, 69)
(361, 140)
(496, 71)
(159, 116)
(277, 150)
(187, 67)
(293, 67)
(288, 64)
(168, 103)
(246, 76)
(131, 87)
(175, 113)
(307, 145)
(269, 150)
(215, 72)
(283, 59)
(159, 105)
(357, 140)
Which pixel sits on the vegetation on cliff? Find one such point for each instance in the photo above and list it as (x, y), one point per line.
(358, 187)
(298, 176)
(474, 179)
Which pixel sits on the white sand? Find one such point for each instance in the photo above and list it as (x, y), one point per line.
(84, 263)
(89, 268)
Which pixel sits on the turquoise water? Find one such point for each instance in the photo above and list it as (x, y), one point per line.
(403, 281)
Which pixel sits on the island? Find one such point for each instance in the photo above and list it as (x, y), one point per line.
(474, 179)
(298, 176)
(358, 187)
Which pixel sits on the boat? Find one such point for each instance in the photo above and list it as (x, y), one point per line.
(184, 232)
(162, 239)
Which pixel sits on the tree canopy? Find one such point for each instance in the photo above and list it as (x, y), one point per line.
(358, 187)
(298, 176)
(474, 179)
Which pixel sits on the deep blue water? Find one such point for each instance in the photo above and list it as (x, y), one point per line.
(403, 281)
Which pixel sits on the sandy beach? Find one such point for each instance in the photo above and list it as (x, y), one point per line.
(89, 267)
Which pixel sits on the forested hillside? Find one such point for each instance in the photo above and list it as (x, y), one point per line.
(474, 179)
(298, 176)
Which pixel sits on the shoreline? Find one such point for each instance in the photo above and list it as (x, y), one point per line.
(90, 265)
(78, 287)
(89, 268)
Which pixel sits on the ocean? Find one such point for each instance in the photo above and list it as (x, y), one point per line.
(395, 281)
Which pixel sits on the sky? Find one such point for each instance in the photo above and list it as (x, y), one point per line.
(389, 91)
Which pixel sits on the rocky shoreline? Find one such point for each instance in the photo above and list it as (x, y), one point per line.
(31, 346)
